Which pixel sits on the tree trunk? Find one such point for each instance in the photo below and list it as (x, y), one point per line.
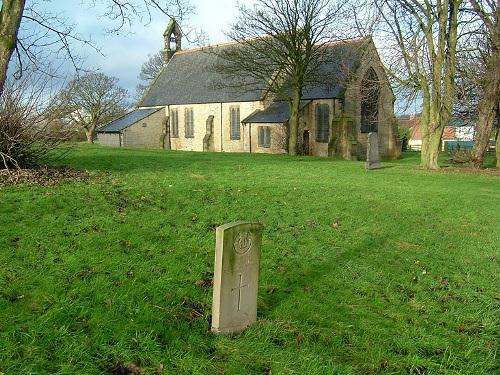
(429, 157)
(431, 131)
(10, 19)
(486, 118)
(89, 132)
(439, 96)
(294, 123)
(497, 147)
(487, 109)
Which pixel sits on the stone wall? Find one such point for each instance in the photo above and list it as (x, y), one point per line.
(109, 139)
(278, 138)
(146, 133)
(222, 141)
(308, 124)
(387, 126)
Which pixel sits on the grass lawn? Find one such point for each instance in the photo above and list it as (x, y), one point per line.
(389, 271)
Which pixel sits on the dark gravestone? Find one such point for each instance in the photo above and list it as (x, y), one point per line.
(372, 152)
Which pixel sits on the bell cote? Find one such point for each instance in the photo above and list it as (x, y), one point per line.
(172, 40)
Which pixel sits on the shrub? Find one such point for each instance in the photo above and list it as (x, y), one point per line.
(461, 156)
(28, 134)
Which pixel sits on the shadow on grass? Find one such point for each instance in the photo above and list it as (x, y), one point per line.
(307, 279)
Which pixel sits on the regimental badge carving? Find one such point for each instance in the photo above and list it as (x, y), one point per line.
(243, 243)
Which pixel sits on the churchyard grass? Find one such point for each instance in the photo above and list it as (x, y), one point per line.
(362, 272)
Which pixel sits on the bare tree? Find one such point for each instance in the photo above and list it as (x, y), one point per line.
(91, 100)
(486, 65)
(28, 130)
(422, 38)
(49, 32)
(150, 70)
(280, 46)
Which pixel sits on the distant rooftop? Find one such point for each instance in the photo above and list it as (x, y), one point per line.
(126, 120)
(278, 112)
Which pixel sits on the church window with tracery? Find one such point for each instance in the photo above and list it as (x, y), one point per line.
(174, 123)
(235, 122)
(189, 123)
(370, 93)
(322, 123)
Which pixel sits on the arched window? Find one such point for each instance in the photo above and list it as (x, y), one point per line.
(370, 93)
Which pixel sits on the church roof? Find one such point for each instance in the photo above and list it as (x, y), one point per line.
(126, 120)
(190, 77)
(277, 112)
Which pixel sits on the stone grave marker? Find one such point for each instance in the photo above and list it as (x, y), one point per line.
(372, 152)
(236, 276)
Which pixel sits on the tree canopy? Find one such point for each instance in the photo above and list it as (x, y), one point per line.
(91, 100)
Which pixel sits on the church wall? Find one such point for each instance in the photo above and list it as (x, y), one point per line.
(200, 115)
(243, 144)
(308, 123)
(221, 131)
(109, 139)
(146, 133)
(278, 142)
(387, 129)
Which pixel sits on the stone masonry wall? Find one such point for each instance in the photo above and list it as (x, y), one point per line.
(222, 133)
(308, 123)
(386, 126)
(146, 133)
(278, 138)
(109, 139)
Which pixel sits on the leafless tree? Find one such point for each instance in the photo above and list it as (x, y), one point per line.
(483, 59)
(420, 50)
(280, 45)
(47, 33)
(91, 100)
(28, 131)
(150, 69)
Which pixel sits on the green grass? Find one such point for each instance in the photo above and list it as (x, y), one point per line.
(389, 271)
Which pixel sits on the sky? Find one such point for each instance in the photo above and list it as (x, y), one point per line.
(123, 54)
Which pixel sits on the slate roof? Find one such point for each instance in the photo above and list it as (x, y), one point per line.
(125, 121)
(190, 78)
(278, 112)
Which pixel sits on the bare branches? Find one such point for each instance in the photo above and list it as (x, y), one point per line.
(39, 37)
(480, 80)
(29, 133)
(91, 100)
(420, 46)
(150, 70)
(280, 45)
(44, 37)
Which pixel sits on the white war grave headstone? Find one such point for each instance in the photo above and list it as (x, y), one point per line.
(236, 276)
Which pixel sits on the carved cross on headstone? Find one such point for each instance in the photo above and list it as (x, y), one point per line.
(238, 288)
(236, 276)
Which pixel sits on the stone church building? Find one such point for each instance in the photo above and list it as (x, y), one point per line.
(186, 108)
